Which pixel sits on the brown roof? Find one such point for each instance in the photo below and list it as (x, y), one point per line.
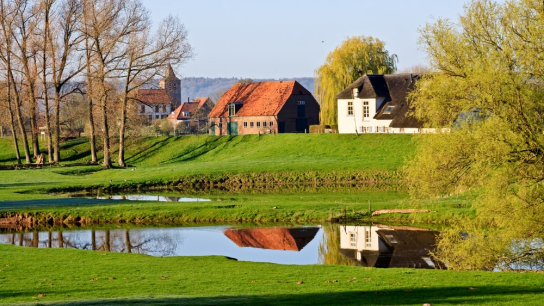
(291, 239)
(152, 96)
(395, 88)
(258, 99)
(191, 107)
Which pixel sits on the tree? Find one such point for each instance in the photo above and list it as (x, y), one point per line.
(145, 57)
(356, 57)
(489, 90)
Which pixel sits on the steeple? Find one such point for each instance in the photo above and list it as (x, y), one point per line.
(172, 85)
(170, 74)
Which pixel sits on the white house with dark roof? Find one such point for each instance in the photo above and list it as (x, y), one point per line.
(377, 104)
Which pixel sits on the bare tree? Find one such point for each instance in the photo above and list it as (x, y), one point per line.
(109, 24)
(23, 33)
(145, 57)
(8, 11)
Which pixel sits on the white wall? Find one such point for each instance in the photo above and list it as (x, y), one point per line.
(348, 124)
(360, 235)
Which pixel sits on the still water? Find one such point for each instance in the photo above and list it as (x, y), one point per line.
(373, 246)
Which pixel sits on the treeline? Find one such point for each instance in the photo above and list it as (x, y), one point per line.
(96, 52)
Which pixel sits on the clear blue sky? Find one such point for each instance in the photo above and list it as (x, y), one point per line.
(291, 38)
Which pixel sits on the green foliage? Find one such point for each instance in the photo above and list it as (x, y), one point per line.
(356, 57)
(488, 89)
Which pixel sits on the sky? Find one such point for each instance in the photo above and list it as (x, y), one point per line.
(291, 38)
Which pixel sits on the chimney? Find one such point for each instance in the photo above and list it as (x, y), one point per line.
(188, 100)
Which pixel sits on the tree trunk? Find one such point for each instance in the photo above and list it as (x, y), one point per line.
(12, 124)
(105, 126)
(56, 124)
(127, 241)
(124, 119)
(22, 129)
(94, 158)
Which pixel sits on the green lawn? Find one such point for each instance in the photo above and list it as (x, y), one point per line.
(32, 276)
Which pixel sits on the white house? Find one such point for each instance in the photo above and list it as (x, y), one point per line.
(377, 104)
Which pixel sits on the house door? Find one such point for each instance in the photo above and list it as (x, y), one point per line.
(281, 127)
(302, 125)
(212, 128)
(232, 128)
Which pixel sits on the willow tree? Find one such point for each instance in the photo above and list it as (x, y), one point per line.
(489, 90)
(355, 57)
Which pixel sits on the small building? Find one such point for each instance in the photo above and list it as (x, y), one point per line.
(159, 103)
(277, 238)
(264, 108)
(378, 104)
(192, 114)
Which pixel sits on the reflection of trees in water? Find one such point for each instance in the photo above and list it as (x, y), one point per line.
(152, 242)
(329, 248)
(472, 245)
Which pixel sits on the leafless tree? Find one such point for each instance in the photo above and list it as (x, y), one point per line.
(8, 14)
(145, 57)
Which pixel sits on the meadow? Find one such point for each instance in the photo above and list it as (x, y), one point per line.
(263, 179)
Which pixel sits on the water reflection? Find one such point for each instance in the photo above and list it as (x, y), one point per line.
(157, 198)
(277, 238)
(388, 246)
(372, 246)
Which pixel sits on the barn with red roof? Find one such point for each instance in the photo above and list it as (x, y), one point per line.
(264, 108)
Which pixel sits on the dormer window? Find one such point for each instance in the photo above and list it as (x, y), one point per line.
(355, 92)
(388, 110)
(233, 108)
(186, 114)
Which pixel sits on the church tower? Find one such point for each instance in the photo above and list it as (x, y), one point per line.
(172, 85)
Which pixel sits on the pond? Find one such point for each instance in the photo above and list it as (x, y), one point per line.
(379, 246)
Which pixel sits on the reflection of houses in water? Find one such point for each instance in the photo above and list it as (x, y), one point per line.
(290, 239)
(389, 247)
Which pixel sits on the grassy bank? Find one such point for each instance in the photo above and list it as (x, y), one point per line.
(91, 278)
(309, 177)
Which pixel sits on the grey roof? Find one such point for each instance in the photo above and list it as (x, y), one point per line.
(395, 89)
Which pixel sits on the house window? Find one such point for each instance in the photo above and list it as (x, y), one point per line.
(150, 117)
(220, 125)
(350, 108)
(164, 108)
(186, 114)
(388, 110)
(366, 110)
(258, 124)
(383, 129)
(271, 124)
(301, 108)
(251, 124)
(264, 123)
(353, 239)
(401, 130)
(369, 129)
(156, 108)
(245, 124)
(232, 109)
(368, 238)
(142, 108)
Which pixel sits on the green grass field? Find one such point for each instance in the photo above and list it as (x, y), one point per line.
(44, 276)
(301, 163)
(160, 161)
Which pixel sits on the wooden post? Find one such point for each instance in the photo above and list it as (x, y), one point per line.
(369, 207)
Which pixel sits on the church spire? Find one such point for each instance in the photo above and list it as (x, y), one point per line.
(170, 73)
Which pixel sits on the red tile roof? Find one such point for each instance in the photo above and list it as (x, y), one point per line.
(258, 99)
(153, 96)
(191, 107)
(291, 239)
